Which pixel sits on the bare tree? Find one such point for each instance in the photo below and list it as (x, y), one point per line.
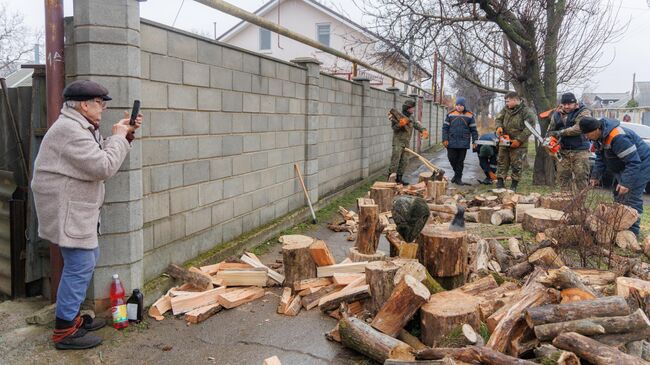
(16, 41)
(534, 45)
(478, 99)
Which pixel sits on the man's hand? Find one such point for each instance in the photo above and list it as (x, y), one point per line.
(425, 134)
(445, 143)
(622, 190)
(555, 134)
(474, 146)
(594, 182)
(515, 144)
(499, 132)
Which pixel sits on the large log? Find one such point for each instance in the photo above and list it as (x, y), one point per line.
(407, 297)
(519, 270)
(636, 321)
(513, 246)
(369, 229)
(553, 313)
(380, 276)
(595, 277)
(445, 311)
(444, 254)
(620, 339)
(557, 201)
(485, 214)
(500, 253)
(618, 216)
(624, 284)
(520, 209)
(594, 351)
(546, 258)
(383, 197)
(472, 355)
(539, 219)
(359, 336)
(479, 286)
(502, 216)
(347, 295)
(418, 271)
(565, 278)
(197, 280)
(297, 260)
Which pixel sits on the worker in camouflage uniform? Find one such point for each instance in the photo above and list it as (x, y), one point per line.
(402, 132)
(573, 169)
(510, 122)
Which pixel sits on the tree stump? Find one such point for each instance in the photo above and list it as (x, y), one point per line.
(368, 230)
(539, 219)
(627, 239)
(359, 336)
(444, 254)
(357, 256)
(485, 214)
(383, 197)
(502, 216)
(555, 201)
(520, 209)
(407, 297)
(618, 216)
(436, 190)
(380, 276)
(445, 311)
(297, 260)
(425, 176)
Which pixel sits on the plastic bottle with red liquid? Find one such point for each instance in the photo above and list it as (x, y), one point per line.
(118, 304)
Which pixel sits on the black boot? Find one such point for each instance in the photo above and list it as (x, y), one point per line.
(92, 324)
(500, 184)
(513, 186)
(70, 335)
(399, 180)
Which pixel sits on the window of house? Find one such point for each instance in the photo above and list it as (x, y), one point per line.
(265, 39)
(323, 33)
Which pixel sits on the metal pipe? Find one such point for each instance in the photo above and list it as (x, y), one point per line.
(264, 23)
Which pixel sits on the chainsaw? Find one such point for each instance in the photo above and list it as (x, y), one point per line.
(550, 144)
(504, 141)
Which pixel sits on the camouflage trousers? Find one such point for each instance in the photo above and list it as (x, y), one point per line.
(511, 159)
(573, 171)
(398, 160)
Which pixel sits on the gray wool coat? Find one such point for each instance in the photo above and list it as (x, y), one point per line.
(68, 182)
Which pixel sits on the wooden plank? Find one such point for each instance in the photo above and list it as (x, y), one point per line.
(273, 360)
(285, 299)
(294, 307)
(308, 291)
(238, 297)
(201, 314)
(254, 262)
(311, 300)
(333, 300)
(310, 283)
(326, 271)
(253, 256)
(186, 303)
(199, 281)
(345, 279)
(242, 277)
(214, 268)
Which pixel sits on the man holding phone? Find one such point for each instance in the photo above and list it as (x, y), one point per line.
(73, 162)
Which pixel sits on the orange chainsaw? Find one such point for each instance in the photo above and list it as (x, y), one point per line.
(551, 144)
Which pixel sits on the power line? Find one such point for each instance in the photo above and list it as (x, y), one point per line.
(181, 7)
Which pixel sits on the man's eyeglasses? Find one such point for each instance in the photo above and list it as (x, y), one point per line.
(101, 102)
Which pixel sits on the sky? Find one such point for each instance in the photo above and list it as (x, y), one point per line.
(631, 54)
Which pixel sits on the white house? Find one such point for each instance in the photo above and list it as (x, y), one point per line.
(312, 19)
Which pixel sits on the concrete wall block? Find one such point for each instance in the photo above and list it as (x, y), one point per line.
(198, 220)
(275, 87)
(267, 214)
(281, 105)
(259, 84)
(156, 261)
(208, 239)
(242, 123)
(232, 101)
(232, 229)
(275, 122)
(232, 59)
(251, 221)
(165, 123)
(156, 206)
(241, 164)
(121, 217)
(311, 135)
(119, 249)
(98, 59)
(281, 207)
(267, 104)
(296, 138)
(221, 123)
(196, 172)
(259, 123)
(221, 78)
(297, 74)
(147, 240)
(275, 158)
(210, 192)
(267, 141)
(268, 176)
(182, 46)
(301, 90)
(311, 167)
(182, 97)
(296, 106)
(288, 89)
(162, 232)
(166, 177)
(124, 186)
(210, 146)
(154, 95)
(220, 168)
(252, 182)
(183, 199)
(251, 103)
(251, 142)
(196, 74)
(155, 151)
(145, 59)
(182, 149)
(243, 204)
(209, 99)
(232, 145)
(281, 139)
(209, 53)
(260, 198)
(222, 212)
(282, 71)
(146, 180)
(131, 276)
(196, 123)
(153, 39)
(166, 69)
(233, 186)
(259, 161)
(268, 67)
(251, 63)
(242, 81)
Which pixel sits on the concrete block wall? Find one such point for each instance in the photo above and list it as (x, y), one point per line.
(381, 135)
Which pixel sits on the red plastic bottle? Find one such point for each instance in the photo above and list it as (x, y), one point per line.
(118, 304)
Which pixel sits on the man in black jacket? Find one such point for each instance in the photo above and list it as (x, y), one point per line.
(457, 129)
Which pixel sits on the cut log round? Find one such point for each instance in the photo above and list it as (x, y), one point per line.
(565, 278)
(485, 214)
(437, 190)
(520, 209)
(539, 219)
(407, 297)
(562, 202)
(445, 311)
(357, 256)
(618, 216)
(297, 260)
(553, 313)
(502, 216)
(368, 230)
(519, 270)
(380, 276)
(425, 176)
(383, 197)
(472, 355)
(359, 336)
(636, 321)
(594, 351)
(566, 235)
(513, 246)
(479, 286)
(418, 271)
(444, 254)
(627, 239)
(546, 258)
(623, 285)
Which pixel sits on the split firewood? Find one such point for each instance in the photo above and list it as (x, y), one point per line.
(308, 291)
(494, 299)
(245, 277)
(198, 280)
(444, 254)
(345, 279)
(482, 258)
(557, 201)
(618, 216)
(369, 228)
(539, 219)
(352, 267)
(407, 297)
(332, 301)
(321, 254)
(575, 295)
(436, 191)
(513, 246)
(408, 250)
(272, 361)
(294, 306)
(499, 253)
(361, 337)
(504, 195)
(201, 314)
(383, 197)
(565, 278)
(162, 305)
(593, 351)
(298, 263)
(472, 355)
(444, 312)
(418, 271)
(237, 297)
(334, 334)
(395, 241)
(485, 214)
(502, 216)
(518, 271)
(311, 300)
(546, 258)
(636, 321)
(627, 239)
(311, 283)
(594, 277)
(185, 303)
(380, 277)
(285, 299)
(410, 340)
(479, 286)
(554, 313)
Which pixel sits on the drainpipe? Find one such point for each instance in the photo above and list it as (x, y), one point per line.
(54, 83)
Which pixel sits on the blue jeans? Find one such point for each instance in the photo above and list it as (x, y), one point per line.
(78, 267)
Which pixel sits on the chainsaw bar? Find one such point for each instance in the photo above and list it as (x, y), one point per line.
(541, 140)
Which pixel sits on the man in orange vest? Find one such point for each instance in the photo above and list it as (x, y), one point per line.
(456, 131)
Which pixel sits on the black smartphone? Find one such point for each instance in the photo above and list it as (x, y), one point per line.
(134, 112)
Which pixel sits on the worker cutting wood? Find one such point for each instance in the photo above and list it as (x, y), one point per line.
(402, 132)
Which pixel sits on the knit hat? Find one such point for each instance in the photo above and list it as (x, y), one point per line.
(460, 101)
(589, 124)
(568, 98)
(409, 103)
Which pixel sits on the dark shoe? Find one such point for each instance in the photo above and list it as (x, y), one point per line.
(92, 324)
(69, 335)
(513, 186)
(500, 184)
(487, 181)
(399, 180)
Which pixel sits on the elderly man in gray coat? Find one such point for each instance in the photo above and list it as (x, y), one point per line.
(68, 185)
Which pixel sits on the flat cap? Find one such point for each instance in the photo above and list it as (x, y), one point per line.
(81, 90)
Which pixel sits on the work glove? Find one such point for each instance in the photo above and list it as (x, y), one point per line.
(403, 122)
(474, 147)
(515, 144)
(499, 132)
(424, 134)
(555, 134)
(445, 143)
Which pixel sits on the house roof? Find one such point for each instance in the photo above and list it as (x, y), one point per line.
(20, 77)
(612, 96)
(272, 4)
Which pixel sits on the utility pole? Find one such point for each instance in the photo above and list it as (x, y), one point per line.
(633, 84)
(215, 30)
(434, 80)
(442, 82)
